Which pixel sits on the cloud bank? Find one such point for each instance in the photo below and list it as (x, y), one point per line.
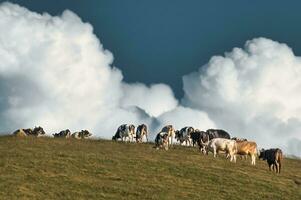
(54, 72)
(252, 92)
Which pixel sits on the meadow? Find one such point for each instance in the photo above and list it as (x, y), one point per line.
(50, 168)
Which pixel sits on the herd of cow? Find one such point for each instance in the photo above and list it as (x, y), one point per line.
(212, 140)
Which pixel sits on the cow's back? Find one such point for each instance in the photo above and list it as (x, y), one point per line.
(246, 147)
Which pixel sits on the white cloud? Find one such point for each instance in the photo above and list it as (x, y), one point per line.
(253, 92)
(55, 73)
(155, 100)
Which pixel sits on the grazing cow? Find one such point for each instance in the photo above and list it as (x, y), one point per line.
(245, 148)
(196, 136)
(140, 132)
(64, 134)
(273, 158)
(83, 134)
(184, 135)
(125, 131)
(217, 133)
(221, 144)
(23, 132)
(37, 132)
(161, 140)
(169, 129)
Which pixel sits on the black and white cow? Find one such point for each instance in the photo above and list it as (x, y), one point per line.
(184, 135)
(125, 132)
(83, 134)
(141, 132)
(63, 134)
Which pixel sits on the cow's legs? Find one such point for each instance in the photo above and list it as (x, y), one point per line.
(253, 158)
(277, 168)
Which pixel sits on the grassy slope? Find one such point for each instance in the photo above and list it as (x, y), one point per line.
(46, 168)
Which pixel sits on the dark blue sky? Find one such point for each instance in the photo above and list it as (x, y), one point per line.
(161, 40)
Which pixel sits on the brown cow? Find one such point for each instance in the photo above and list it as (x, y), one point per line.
(273, 157)
(245, 148)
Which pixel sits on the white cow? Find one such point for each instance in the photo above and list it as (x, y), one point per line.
(221, 144)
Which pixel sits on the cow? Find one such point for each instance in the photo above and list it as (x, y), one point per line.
(217, 133)
(169, 129)
(140, 132)
(221, 144)
(245, 148)
(197, 136)
(184, 135)
(37, 132)
(83, 134)
(23, 132)
(273, 157)
(162, 140)
(64, 134)
(124, 132)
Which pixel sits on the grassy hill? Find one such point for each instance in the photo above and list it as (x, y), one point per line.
(47, 168)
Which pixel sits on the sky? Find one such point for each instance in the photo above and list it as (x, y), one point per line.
(150, 39)
(99, 64)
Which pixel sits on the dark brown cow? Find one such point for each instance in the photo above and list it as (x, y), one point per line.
(273, 158)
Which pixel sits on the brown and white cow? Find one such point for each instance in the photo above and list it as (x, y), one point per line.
(37, 132)
(140, 132)
(124, 132)
(245, 148)
(83, 134)
(161, 140)
(273, 157)
(169, 129)
(221, 144)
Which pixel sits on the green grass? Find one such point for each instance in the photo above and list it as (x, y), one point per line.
(47, 168)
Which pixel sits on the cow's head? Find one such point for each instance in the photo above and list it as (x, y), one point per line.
(190, 130)
(132, 128)
(165, 141)
(204, 145)
(177, 135)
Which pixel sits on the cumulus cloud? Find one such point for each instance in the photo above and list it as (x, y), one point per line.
(155, 100)
(54, 72)
(252, 92)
